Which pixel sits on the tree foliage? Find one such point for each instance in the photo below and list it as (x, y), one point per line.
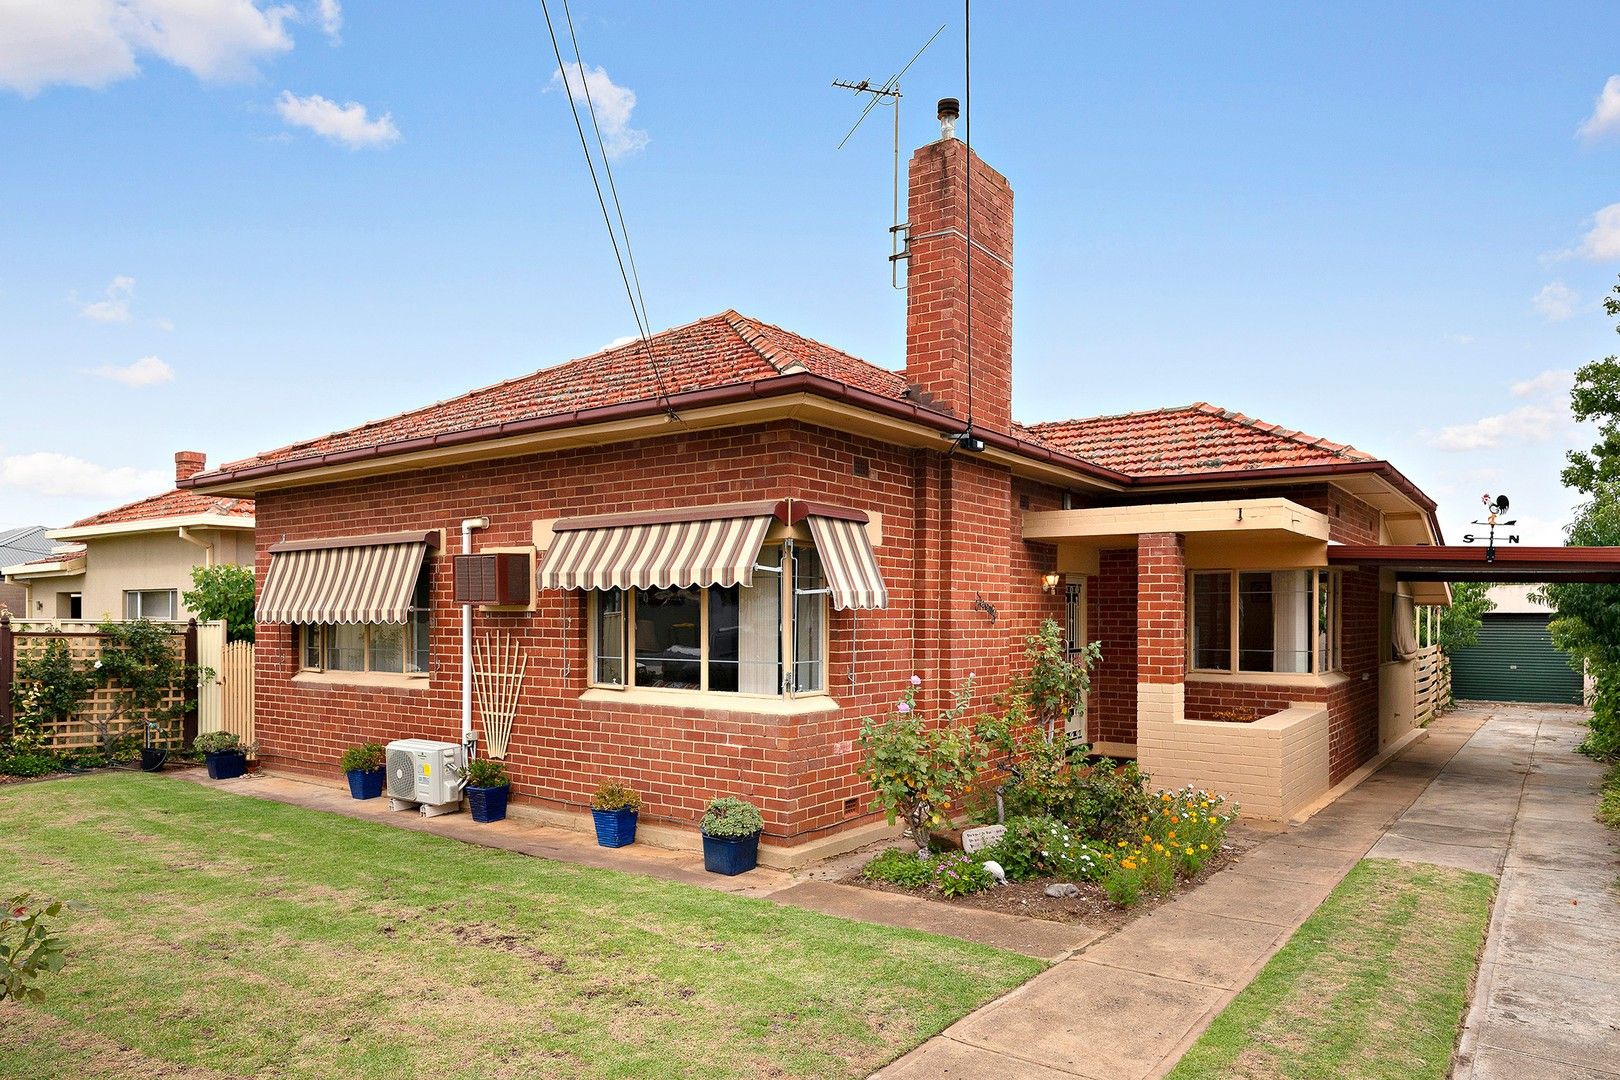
(1587, 625)
(1460, 623)
(223, 592)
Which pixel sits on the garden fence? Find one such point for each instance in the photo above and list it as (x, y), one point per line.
(23, 641)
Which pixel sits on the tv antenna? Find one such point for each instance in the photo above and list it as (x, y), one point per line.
(887, 93)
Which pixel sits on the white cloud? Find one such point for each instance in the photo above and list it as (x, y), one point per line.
(114, 305)
(330, 15)
(613, 104)
(95, 42)
(347, 124)
(1554, 384)
(1602, 243)
(147, 371)
(1605, 118)
(1461, 339)
(618, 341)
(1556, 301)
(1526, 424)
(49, 473)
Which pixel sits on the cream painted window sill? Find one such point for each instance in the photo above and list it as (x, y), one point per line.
(710, 701)
(372, 679)
(1271, 678)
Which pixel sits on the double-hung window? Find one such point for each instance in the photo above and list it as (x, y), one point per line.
(1267, 621)
(394, 648)
(721, 639)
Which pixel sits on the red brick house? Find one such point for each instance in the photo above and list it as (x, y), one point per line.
(746, 543)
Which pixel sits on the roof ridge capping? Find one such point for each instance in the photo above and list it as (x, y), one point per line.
(1292, 434)
(753, 335)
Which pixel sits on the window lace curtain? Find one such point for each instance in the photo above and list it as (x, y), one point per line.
(1403, 632)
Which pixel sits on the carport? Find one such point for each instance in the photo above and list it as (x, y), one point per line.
(1515, 659)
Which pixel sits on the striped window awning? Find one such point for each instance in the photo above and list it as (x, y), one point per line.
(357, 579)
(659, 549)
(847, 558)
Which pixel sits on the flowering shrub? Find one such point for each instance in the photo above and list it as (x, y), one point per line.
(1103, 800)
(1181, 832)
(959, 873)
(919, 773)
(1044, 847)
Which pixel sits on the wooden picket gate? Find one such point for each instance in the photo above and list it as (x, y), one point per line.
(236, 689)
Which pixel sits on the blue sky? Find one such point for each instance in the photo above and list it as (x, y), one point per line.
(1373, 223)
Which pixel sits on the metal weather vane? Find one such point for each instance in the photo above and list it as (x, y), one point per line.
(1494, 509)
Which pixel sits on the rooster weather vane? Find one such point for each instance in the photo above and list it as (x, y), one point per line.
(1494, 509)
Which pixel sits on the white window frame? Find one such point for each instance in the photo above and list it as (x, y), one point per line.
(1334, 581)
(135, 604)
(785, 625)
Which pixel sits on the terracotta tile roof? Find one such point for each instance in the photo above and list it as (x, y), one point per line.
(67, 553)
(169, 504)
(731, 349)
(1197, 438)
(721, 350)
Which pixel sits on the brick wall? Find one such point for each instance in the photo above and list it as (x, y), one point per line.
(949, 537)
(1111, 620)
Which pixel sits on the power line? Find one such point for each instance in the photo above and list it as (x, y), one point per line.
(632, 293)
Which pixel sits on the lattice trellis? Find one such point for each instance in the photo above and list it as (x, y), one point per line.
(83, 731)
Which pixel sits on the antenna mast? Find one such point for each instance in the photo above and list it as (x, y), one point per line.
(888, 93)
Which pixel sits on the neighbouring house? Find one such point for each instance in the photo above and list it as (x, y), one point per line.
(134, 561)
(719, 551)
(19, 546)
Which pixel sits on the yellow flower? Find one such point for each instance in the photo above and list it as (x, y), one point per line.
(1122, 843)
(1203, 847)
(1159, 848)
(1213, 819)
(1189, 851)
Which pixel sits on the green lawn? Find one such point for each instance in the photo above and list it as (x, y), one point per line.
(1373, 985)
(222, 935)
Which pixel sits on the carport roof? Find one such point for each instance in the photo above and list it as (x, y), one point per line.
(1469, 563)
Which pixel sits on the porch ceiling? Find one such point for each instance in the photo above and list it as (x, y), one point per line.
(1460, 563)
(1272, 519)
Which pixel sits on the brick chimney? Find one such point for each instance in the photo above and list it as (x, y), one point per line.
(936, 282)
(188, 463)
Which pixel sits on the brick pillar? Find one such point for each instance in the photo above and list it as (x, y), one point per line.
(1161, 641)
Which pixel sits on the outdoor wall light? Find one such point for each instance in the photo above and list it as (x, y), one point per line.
(1050, 581)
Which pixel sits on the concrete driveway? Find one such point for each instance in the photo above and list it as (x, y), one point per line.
(1517, 801)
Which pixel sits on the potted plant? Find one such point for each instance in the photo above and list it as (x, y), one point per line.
(363, 765)
(487, 787)
(224, 752)
(731, 829)
(615, 807)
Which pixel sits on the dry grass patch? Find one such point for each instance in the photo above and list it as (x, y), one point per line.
(1374, 984)
(229, 934)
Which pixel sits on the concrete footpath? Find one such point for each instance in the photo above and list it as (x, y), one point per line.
(1129, 1006)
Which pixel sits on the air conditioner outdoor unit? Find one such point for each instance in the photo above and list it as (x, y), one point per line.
(422, 774)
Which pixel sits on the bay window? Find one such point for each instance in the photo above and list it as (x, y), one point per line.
(1271, 621)
(721, 639)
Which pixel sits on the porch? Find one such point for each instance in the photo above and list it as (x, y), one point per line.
(1236, 656)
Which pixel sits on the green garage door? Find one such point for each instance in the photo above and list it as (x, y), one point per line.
(1514, 661)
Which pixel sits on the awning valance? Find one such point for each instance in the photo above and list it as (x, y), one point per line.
(848, 561)
(665, 549)
(361, 579)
